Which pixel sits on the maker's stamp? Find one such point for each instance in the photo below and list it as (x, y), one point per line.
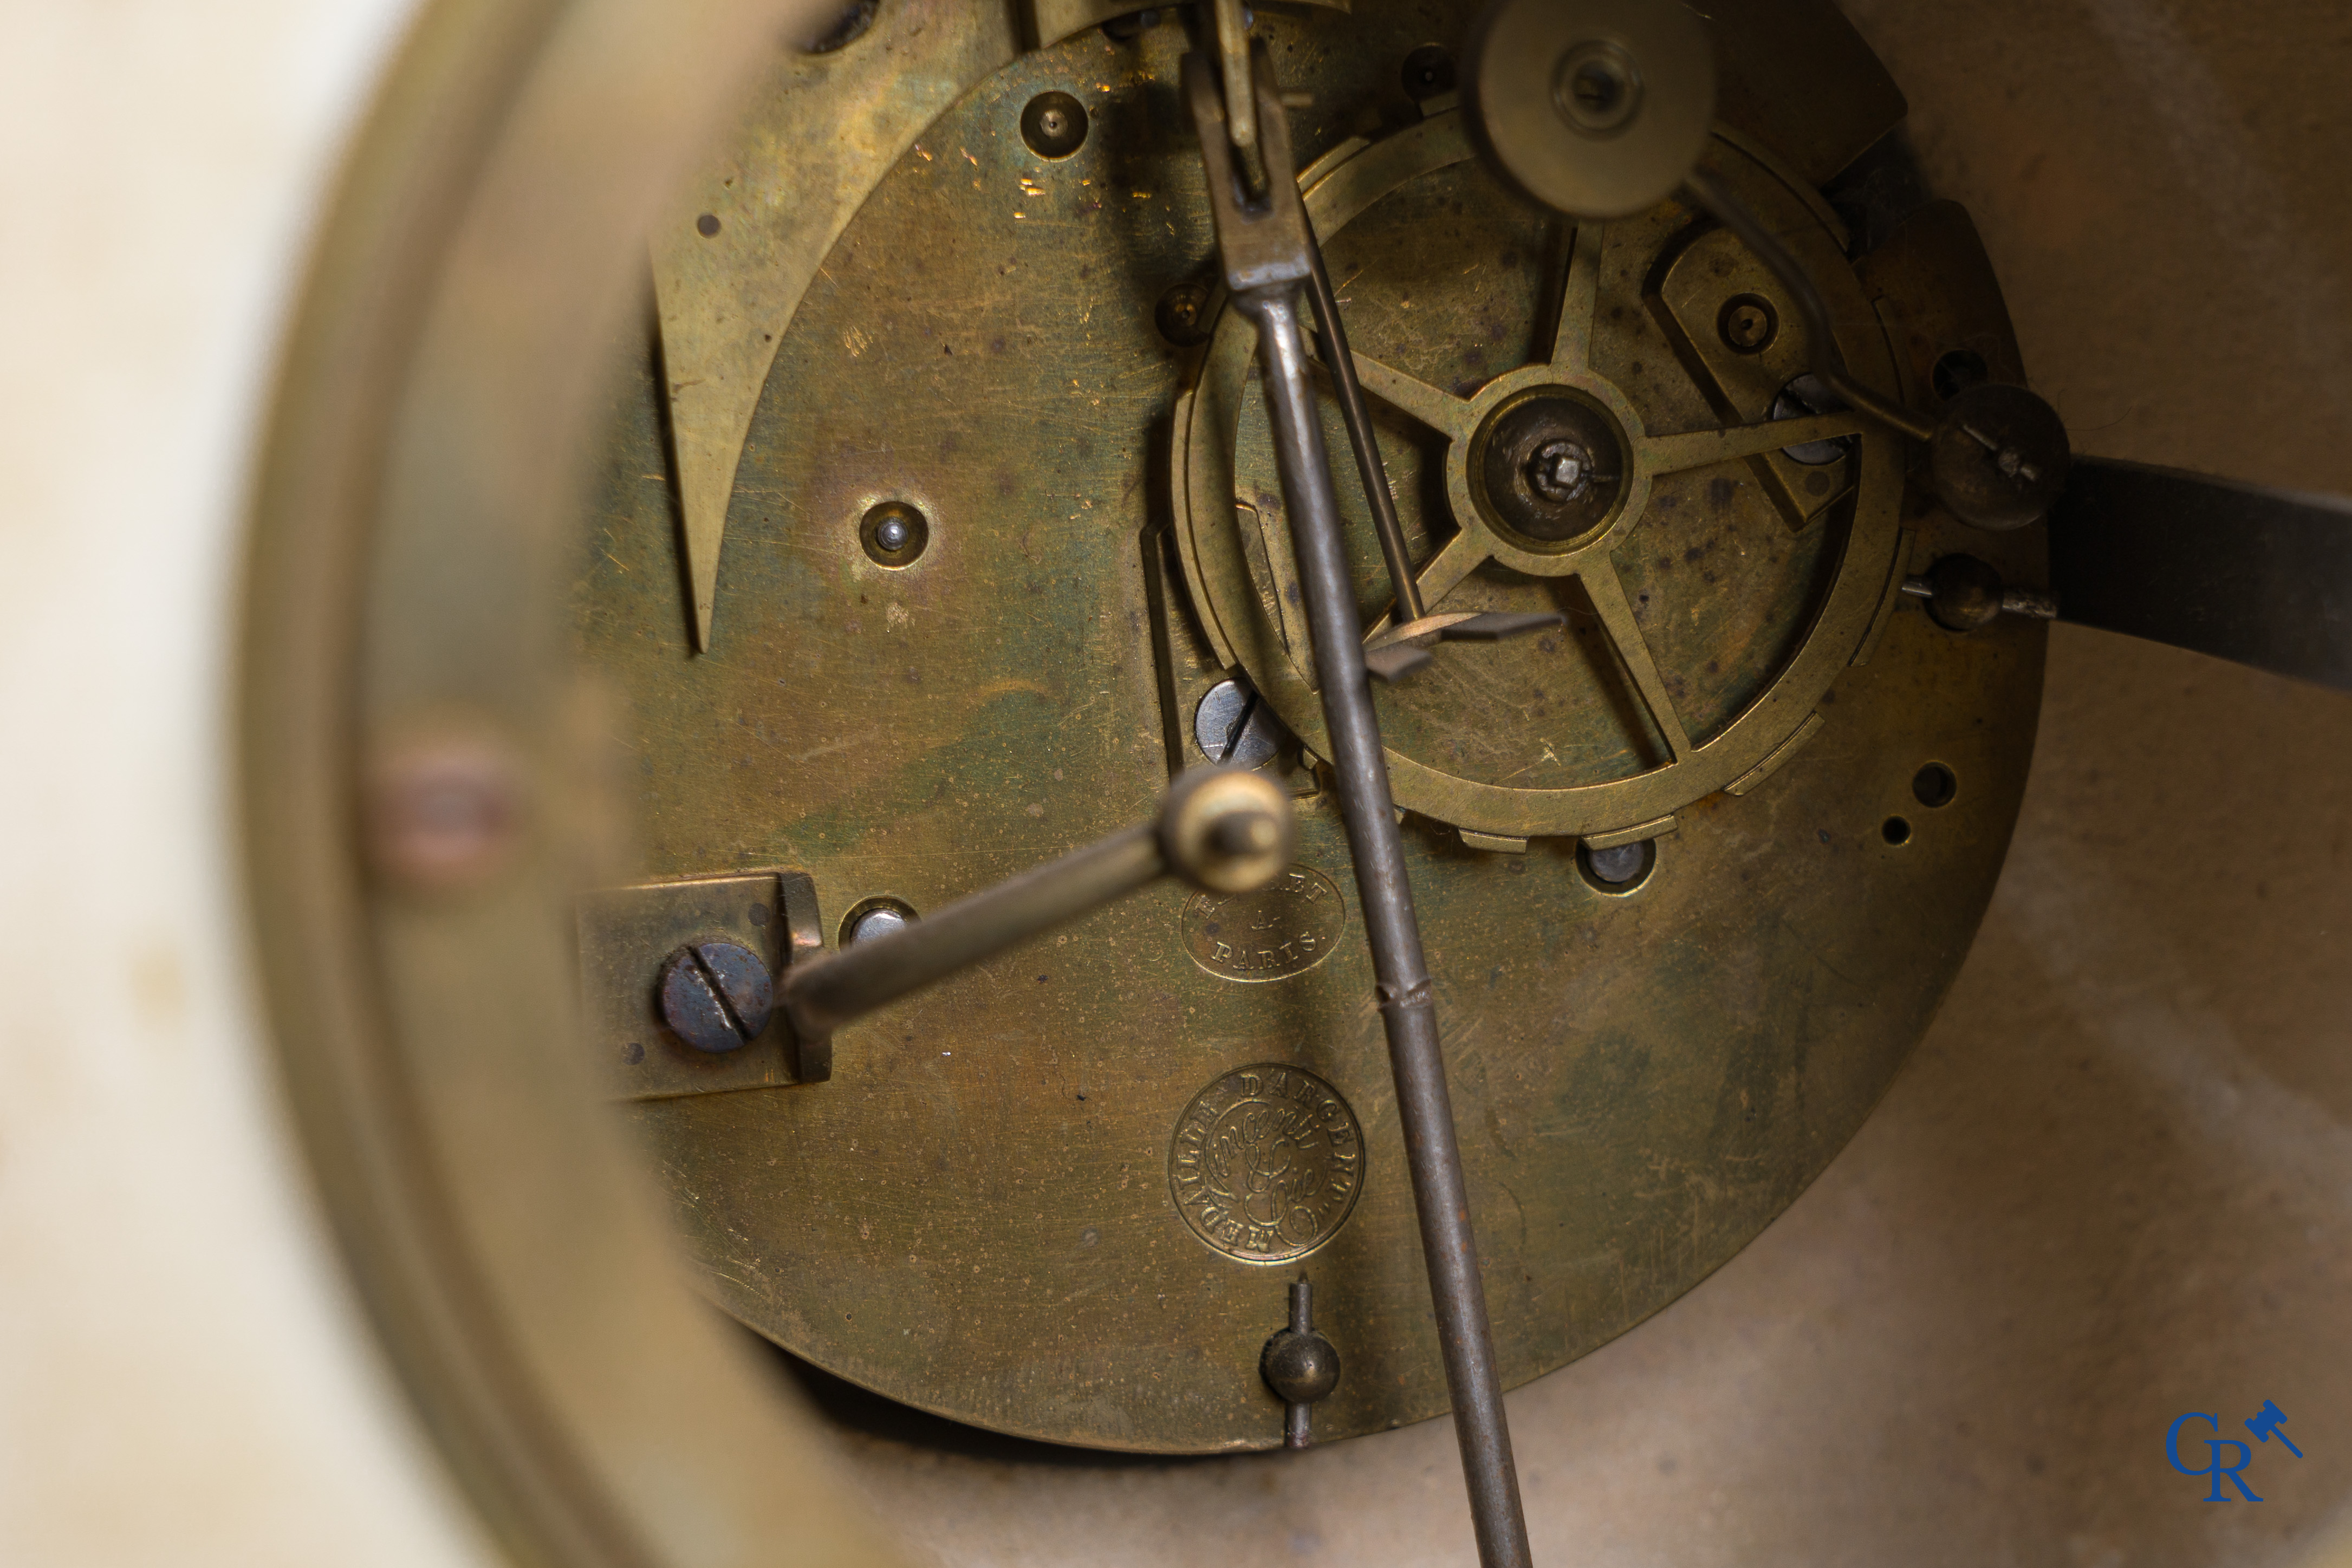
(1283, 929)
(1266, 1163)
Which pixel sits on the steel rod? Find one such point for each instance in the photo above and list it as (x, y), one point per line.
(1407, 1011)
(1226, 829)
(1298, 1419)
(1369, 466)
(825, 993)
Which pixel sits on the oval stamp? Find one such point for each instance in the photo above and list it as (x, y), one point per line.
(1283, 929)
(1266, 1163)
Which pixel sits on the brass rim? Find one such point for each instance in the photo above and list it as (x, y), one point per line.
(523, 1289)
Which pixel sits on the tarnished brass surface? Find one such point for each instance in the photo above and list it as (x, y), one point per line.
(1223, 830)
(976, 1214)
(732, 259)
(1271, 934)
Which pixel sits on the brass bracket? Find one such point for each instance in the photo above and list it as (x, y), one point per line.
(626, 933)
(1685, 296)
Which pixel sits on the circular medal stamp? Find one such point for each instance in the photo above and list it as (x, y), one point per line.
(1266, 1163)
(1283, 929)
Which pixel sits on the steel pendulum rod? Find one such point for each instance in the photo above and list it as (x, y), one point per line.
(1402, 974)
(1266, 250)
(1369, 466)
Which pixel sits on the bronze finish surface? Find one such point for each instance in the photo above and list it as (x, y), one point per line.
(974, 1216)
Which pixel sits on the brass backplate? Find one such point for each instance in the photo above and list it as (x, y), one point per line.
(981, 1212)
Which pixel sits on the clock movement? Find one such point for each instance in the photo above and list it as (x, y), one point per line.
(1249, 722)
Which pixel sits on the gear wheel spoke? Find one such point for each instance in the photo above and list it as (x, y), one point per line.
(1460, 556)
(1571, 336)
(1609, 602)
(1424, 404)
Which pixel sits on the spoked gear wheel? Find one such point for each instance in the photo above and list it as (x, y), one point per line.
(1660, 405)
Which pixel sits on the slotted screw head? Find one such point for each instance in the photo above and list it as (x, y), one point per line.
(715, 996)
(1182, 314)
(2000, 457)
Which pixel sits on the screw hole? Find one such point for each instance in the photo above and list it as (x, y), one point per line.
(1615, 872)
(1748, 324)
(873, 917)
(1182, 314)
(1959, 370)
(1895, 831)
(1054, 125)
(1934, 785)
(894, 534)
(1428, 73)
(707, 225)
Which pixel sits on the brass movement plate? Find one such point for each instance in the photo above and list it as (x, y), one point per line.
(975, 1215)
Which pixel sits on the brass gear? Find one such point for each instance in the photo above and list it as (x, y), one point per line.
(1530, 740)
